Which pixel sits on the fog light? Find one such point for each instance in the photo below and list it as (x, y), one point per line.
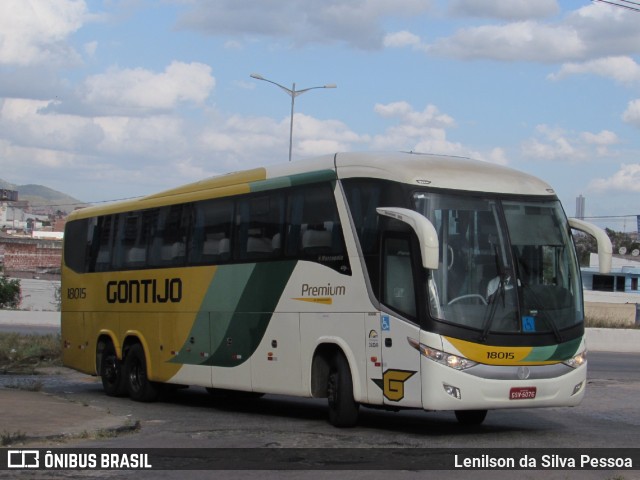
(577, 388)
(453, 391)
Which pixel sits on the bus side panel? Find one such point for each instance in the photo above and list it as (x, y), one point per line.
(76, 351)
(401, 380)
(347, 331)
(374, 358)
(275, 365)
(166, 334)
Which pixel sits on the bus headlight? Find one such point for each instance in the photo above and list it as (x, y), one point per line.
(449, 359)
(578, 360)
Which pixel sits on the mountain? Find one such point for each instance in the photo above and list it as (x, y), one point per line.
(39, 195)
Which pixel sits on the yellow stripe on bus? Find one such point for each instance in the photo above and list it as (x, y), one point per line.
(323, 300)
(495, 355)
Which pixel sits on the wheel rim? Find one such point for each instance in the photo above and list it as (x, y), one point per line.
(136, 375)
(332, 390)
(110, 373)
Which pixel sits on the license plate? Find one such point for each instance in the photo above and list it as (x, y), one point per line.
(522, 393)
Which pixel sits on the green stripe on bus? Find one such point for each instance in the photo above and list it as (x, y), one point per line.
(253, 313)
(558, 353)
(293, 180)
(235, 312)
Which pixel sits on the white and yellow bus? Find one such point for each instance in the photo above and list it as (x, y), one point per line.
(391, 280)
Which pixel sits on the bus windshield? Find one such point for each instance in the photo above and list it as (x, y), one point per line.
(505, 266)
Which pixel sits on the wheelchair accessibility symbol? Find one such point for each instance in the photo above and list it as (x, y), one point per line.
(385, 324)
(528, 324)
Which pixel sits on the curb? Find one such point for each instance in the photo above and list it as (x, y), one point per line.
(621, 340)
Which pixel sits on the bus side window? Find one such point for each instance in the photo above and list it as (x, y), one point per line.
(313, 225)
(211, 232)
(259, 226)
(169, 245)
(78, 235)
(125, 251)
(105, 234)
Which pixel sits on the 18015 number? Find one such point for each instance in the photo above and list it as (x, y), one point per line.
(501, 355)
(76, 293)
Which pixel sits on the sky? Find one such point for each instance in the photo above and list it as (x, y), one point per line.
(114, 99)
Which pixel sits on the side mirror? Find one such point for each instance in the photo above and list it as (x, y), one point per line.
(426, 232)
(605, 250)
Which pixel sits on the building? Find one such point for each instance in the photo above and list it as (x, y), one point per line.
(31, 257)
(624, 276)
(580, 207)
(613, 298)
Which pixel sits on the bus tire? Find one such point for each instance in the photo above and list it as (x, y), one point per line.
(111, 372)
(343, 409)
(470, 417)
(140, 388)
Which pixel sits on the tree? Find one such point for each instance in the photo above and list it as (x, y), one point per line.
(10, 293)
(585, 245)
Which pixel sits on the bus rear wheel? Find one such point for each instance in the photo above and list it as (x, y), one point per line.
(140, 388)
(343, 409)
(111, 372)
(471, 417)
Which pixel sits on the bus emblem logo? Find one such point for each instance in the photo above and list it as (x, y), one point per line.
(392, 383)
(523, 373)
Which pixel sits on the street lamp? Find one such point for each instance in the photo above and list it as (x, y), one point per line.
(293, 93)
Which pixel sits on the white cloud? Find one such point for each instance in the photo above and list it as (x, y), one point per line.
(622, 69)
(603, 138)
(424, 131)
(627, 179)
(22, 121)
(137, 91)
(591, 32)
(606, 30)
(357, 23)
(498, 156)
(90, 48)
(430, 116)
(632, 114)
(34, 32)
(147, 153)
(557, 144)
(511, 10)
(401, 39)
(518, 41)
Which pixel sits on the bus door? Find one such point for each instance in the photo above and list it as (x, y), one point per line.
(401, 381)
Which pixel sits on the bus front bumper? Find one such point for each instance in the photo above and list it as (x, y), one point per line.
(487, 387)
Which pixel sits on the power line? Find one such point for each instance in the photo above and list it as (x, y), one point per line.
(612, 216)
(41, 205)
(622, 5)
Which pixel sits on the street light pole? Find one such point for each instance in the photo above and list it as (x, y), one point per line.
(293, 93)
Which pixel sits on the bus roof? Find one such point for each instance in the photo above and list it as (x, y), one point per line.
(442, 172)
(425, 170)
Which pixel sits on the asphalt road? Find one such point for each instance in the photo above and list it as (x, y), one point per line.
(29, 329)
(608, 417)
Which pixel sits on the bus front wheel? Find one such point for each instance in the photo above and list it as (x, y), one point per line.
(470, 417)
(140, 388)
(343, 409)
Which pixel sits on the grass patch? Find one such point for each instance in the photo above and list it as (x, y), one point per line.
(23, 354)
(28, 385)
(603, 321)
(10, 438)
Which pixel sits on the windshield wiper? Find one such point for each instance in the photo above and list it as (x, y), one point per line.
(499, 292)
